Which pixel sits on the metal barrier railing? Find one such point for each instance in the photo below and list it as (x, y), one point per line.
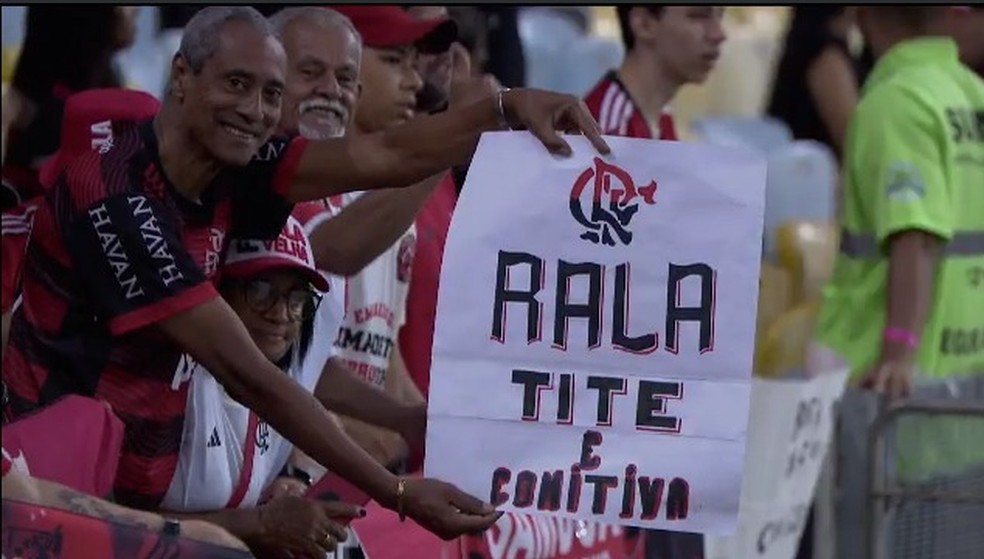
(920, 503)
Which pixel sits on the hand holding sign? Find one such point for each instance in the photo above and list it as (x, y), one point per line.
(592, 359)
(446, 510)
(543, 113)
(304, 526)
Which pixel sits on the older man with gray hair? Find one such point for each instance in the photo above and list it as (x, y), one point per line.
(323, 56)
(360, 239)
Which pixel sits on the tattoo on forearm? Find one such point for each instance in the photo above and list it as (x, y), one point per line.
(81, 503)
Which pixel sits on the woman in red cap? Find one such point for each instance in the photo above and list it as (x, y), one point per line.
(232, 465)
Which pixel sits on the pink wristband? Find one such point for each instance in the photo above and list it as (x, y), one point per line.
(901, 335)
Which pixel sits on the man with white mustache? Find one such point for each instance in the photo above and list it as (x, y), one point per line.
(323, 57)
(322, 89)
(356, 239)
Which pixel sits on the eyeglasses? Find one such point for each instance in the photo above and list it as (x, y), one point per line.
(261, 296)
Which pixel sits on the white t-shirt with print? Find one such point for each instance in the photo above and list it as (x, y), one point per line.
(374, 303)
(328, 319)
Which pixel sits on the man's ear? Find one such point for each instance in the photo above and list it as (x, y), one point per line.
(180, 75)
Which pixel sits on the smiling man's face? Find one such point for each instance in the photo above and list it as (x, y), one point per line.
(232, 106)
(322, 78)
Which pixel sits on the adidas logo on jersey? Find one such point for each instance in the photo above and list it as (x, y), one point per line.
(214, 440)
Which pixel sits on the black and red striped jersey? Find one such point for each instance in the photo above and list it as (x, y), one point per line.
(115, 248)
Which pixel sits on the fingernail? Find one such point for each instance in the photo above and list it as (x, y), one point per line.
(363, 513)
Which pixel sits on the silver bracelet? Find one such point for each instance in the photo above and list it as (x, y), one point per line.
(503, 121)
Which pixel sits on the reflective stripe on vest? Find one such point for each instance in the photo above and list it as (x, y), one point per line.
(865, 245)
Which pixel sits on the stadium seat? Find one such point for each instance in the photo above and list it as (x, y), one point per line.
(544, 23)
(764, 134)
(806, 249)
(546, 35)
(801, 185)
(144, 64)
(783, 348)
(586, 61)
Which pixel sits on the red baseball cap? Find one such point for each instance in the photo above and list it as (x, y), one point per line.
(386, 26)
(85, 123)
(291, 249)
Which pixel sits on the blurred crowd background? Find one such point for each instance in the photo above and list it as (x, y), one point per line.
(755, 36)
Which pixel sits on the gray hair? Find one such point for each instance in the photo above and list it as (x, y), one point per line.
(201, 35)
(325, 17)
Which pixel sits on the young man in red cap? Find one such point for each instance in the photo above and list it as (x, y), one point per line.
(666, 47)
(434, 68)
(85, 127)
(130, 239)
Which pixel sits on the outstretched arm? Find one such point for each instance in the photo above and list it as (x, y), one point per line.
(343, 392)
(19, 487)
(349, 241)
(346, 243)
(213, 334)
(427, 145)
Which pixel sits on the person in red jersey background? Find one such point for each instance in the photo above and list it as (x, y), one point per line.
(86, 114)
(48, 72)
(666, 47)
(16, 233)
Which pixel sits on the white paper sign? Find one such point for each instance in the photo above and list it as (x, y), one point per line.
(595, 327)
(790, 429)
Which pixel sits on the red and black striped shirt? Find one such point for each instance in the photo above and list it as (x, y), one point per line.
(619, 115)
(114, 249)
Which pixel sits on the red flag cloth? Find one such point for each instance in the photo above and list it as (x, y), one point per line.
(383, 536)
(75, 441)
(37, 532)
